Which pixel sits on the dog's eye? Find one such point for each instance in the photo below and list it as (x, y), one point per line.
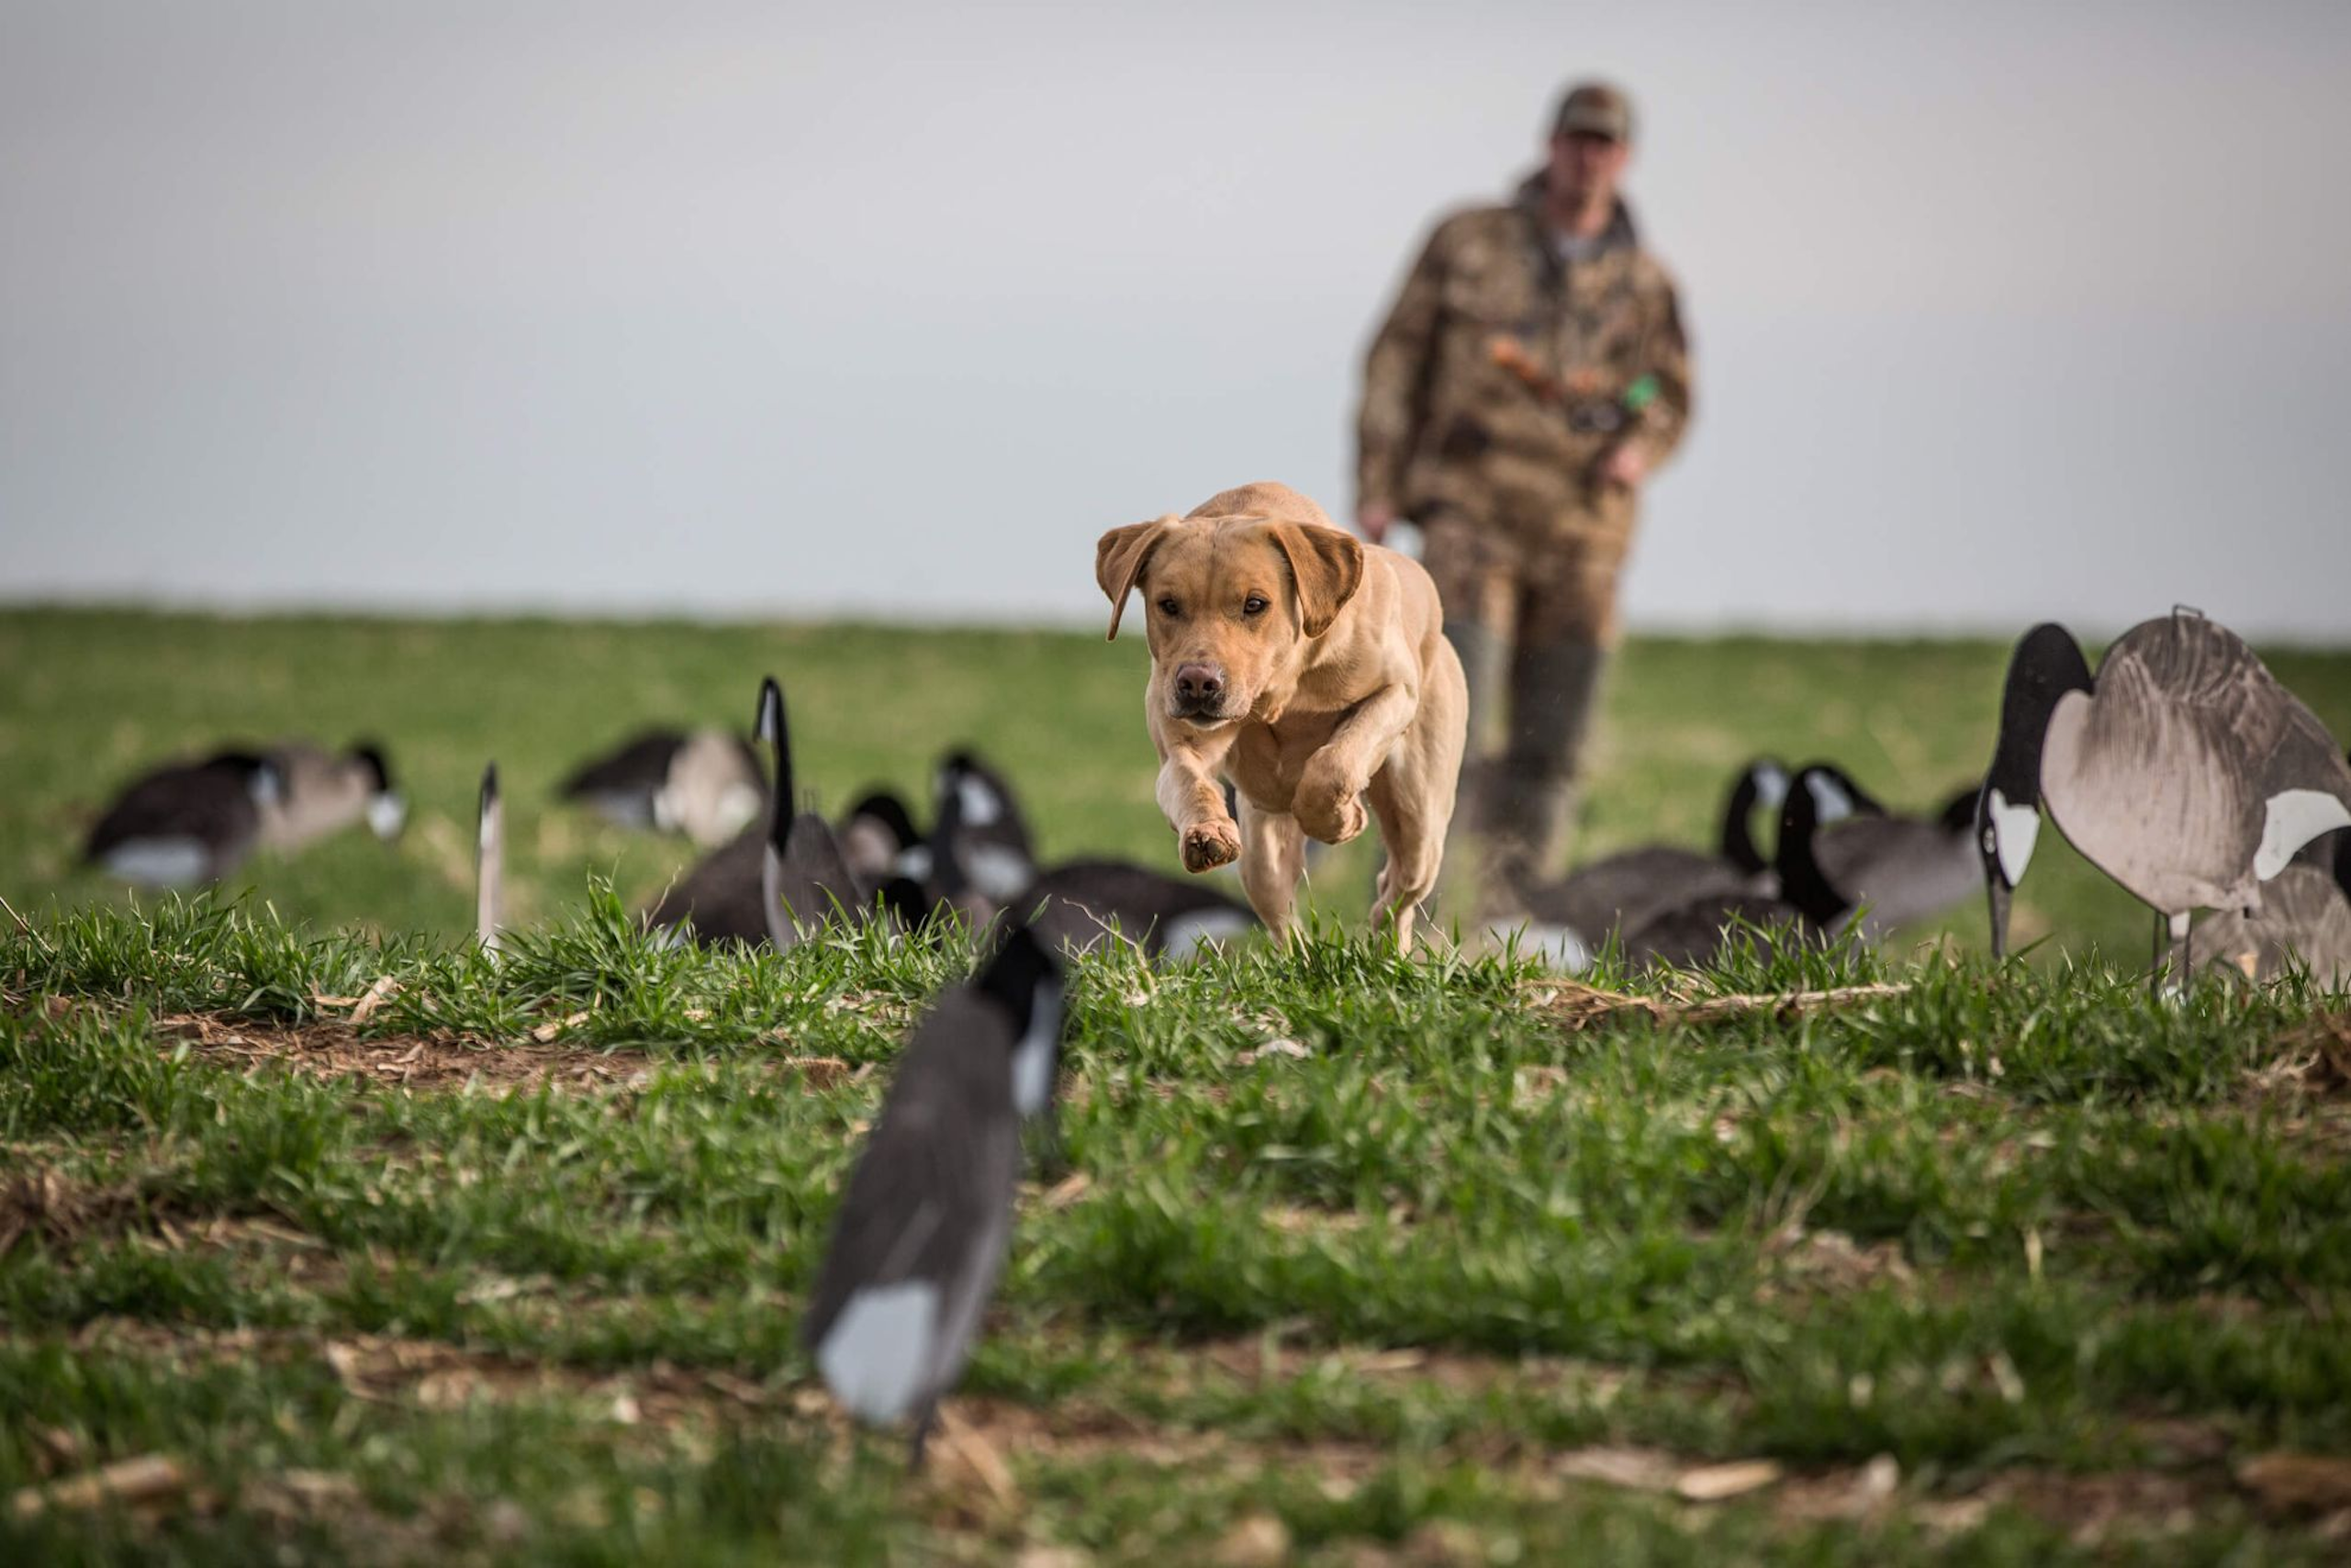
(1253, 605)
(1168, 607)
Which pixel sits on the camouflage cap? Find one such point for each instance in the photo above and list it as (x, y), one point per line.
(1595, 108)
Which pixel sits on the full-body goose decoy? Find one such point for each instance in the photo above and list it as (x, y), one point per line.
(191, 821)
(2304, 922)
(1628, 889)
(2183, 770)
(923, 1231)
(1803, 909)
(803, 882)
(323, 794)
(703, 783)
(489, 865)
(1892, 869)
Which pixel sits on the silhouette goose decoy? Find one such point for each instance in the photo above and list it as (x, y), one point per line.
(2304, 922)
(803, 882)
(1632, 886)
(323, 794)
(187, 822)
(1892, 869)
(703, 783)
(2183, 770)
(489, 864)
(925, 1226)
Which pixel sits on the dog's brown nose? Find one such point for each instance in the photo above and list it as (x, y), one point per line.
(1198, 684)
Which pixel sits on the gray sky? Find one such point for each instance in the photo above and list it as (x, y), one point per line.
(2001, 312)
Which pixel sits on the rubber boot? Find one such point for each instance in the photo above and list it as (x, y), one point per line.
(1552, 691)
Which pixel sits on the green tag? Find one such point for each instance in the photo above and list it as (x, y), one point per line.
(1640, 394)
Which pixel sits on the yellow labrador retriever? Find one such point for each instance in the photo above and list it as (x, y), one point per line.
(1309, 668)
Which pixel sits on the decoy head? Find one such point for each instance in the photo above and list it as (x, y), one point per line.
(1763, 782)
(386, 812)
(489, 804)
(1959, 813)
(264, 780)
(886, 810)
(1025, 981)
(2047, 664)
(1820, 793)
(977, 796)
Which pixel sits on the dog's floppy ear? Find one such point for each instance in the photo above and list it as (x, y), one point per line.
(1119, 558)
(1328, 567)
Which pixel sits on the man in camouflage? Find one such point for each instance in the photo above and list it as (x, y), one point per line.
(1532, 373)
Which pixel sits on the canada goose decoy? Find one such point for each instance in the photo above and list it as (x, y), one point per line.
(981, 854)
(717, 899)
(489, 865)
(1892, 869)
(704, 783)
(2183, 770)
(1804, 910)
(323, 794)
(1078, 903)
(187, 823)
(876, 836)
(803, 882)
(1634, 886)
(926, 1225)
(2304, 922)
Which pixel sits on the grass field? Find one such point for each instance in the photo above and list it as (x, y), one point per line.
(374, 1250)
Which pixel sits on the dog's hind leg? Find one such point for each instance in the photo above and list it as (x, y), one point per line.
(1274, 857)
(1413, 795)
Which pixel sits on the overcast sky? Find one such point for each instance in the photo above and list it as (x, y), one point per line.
(2000, 312)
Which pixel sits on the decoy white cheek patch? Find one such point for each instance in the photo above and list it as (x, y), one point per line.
(385, 815)
(2296, 817)
(2014, 829)
(999, 873)
(165, 861)
(980, 807)
(1032, 1057)
(1830, 802)
(916, 863)
(1187, 935)
(874, 1359)
(1771, 787)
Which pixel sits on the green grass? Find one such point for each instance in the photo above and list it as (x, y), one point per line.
(2065, 1257)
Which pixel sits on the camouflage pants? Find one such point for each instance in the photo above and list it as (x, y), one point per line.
(1532, 612)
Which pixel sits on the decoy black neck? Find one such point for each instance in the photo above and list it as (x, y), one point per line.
(774, 719)
(1802, 882)
(1014, 976)
(2047, 664)
(1959, 813)
(1737, 843)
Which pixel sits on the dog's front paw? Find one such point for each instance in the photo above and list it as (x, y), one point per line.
(1333, 812)
(1209, 845)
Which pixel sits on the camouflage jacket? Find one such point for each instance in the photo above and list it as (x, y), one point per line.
(1504, 373)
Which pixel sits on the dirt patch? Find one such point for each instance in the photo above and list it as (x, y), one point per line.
(444, 1061)
(59, 1209)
